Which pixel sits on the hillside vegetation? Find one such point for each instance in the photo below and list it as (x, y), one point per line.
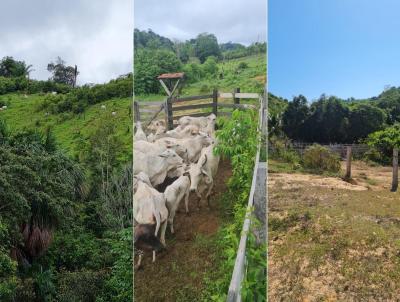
(207, 65)
(70, 130)
(66, 187)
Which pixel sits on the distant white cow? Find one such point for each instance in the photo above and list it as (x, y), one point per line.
(140, 135)
(157, 127)
(156, 166)
(174, 193)
(202, 174)
(103, 106)
(113, 113)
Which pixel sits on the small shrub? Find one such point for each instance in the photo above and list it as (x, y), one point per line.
(242, 65)
(321, 159)
(373, 156)
(82, 286)
(204, 88)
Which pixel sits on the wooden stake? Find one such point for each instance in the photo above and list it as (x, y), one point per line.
(170, 118)
(236, 100)
(215, 102)
(348, 163)
(395, 179)
(136, 112)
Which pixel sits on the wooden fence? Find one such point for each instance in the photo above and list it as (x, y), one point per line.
(256, 206)
(358, 150)
(175, 107)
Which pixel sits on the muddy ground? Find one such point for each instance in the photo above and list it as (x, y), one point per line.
(178, 274)
(334, 241)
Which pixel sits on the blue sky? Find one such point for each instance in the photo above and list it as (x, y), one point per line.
(347, 48)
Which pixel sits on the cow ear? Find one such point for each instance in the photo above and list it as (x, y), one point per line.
(204, 161)
(207, 178)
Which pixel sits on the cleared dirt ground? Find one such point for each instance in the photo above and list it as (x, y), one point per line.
(178, 274)
(334, 241)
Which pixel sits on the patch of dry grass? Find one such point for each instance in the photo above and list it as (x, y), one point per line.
(330, 244)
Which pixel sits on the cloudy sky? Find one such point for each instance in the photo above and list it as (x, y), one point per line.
(95, 35)
(242, 21)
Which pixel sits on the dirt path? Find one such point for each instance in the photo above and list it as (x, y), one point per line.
(334, 241)
(179, 272)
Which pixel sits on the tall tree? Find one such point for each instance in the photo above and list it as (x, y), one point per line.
(294, 117)
(13, 68)
(62, 73)
(206, 45)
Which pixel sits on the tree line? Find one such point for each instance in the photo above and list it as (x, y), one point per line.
(197, 57)
(330, 119)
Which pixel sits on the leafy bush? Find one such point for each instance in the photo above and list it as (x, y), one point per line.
(149, 63)
(80, 98)
(21, 84)
(80, 286)
(238, 141)
(384, 141)
(321, 159)
(283, 153)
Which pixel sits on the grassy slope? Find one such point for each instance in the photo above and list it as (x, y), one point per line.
(69, 129)
(249, 79)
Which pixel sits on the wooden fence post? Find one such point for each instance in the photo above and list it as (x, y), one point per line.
(169, 113)
(136, 111)
(215, 102)
(348, 163)
(395, 179)
(236, 100)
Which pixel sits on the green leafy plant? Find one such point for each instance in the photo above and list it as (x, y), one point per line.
(321, 159)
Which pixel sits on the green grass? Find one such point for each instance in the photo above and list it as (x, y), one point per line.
(68, 128)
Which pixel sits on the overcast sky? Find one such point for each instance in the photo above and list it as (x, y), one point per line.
(242, 21)
(95, 35)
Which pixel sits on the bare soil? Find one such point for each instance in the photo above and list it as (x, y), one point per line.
(330, 240)
(178, 273)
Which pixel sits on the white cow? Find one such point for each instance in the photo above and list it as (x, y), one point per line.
(193, 145)
(174, 193)
(156, 166)
(150, 214)
(159, 147)
(140, 135)
(157, 127)
(202, 174)
(200, 122)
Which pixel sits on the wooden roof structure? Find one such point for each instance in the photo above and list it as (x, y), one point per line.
(167, 81)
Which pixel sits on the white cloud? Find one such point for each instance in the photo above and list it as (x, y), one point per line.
(230, 20)
(95, 35)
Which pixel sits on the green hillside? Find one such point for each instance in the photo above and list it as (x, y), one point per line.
(247, 73)
(23, 112)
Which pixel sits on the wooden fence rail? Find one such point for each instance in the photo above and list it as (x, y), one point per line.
(190, 105)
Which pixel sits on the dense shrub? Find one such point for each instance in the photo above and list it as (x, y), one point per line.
(78, 99)
(150, 63)
(384, 141)
(321, 159)
(21, 84)
(80, 286)
(238, 141)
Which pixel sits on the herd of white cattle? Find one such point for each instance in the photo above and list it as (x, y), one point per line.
(168, 166)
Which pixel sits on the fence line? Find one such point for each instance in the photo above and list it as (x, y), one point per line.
(341, 149)
(189, 105)
(257, 199)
